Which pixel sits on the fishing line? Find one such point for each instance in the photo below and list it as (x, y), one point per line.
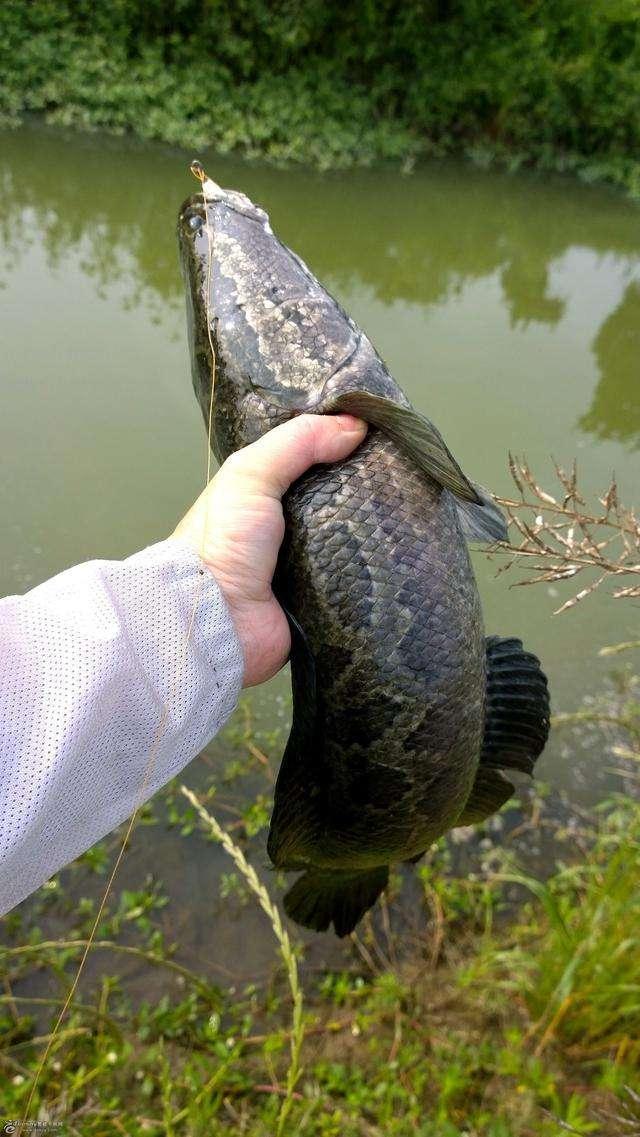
(198, 172)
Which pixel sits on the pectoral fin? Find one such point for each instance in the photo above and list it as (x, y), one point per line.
(516, 726)
(483, 522)
(417, 437)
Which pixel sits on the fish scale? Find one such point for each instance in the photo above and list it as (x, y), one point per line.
(404, 717)
(425, 551)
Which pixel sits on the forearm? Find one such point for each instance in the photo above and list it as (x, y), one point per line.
(114, 676)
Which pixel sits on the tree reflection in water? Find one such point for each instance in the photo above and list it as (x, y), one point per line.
(419, 240)
(615, 410)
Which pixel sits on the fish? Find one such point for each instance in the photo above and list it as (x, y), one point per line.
(407, 719)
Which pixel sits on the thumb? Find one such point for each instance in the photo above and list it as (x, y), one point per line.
(287, 451)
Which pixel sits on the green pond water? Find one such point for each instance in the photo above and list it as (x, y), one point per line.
(508, 307)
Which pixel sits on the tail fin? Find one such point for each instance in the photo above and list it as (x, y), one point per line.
(322, 896)
(516, 727)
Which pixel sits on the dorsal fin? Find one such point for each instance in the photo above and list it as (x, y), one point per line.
(517, 714)
(516, 725)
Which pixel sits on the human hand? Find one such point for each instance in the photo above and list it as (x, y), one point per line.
(237, 526)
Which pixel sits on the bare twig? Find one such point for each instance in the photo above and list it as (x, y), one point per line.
(566, 538)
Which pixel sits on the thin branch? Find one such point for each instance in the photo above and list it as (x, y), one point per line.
(560, 537)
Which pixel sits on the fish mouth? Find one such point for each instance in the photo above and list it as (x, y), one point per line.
(211, 191)
(203, 208)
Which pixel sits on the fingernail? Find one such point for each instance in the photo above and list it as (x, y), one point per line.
(350, 424)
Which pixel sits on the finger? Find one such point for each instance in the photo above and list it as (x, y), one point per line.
(284, 453)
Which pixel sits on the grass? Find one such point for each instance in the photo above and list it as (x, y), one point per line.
(575, 959)
(284, 943)
(481, 1004)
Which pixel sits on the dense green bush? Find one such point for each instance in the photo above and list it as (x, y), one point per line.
(556, 82)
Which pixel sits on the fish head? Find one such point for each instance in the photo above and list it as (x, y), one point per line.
(223, 361)
(261, 327)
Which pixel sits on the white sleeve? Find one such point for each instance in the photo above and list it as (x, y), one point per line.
(108, 688)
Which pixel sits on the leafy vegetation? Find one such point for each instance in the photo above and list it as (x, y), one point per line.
(553, 82)
(507, 1032)
(483, 1001)
(487, 1003)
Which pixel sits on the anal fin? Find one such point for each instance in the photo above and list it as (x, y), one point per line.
(516, 725)
(321, 897)
(298, 813)
(490, 791)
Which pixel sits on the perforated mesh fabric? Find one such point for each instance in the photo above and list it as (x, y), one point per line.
(88, 662)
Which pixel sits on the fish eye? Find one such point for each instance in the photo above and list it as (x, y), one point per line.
(195, 223)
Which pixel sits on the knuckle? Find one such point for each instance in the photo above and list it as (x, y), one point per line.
(311, 429)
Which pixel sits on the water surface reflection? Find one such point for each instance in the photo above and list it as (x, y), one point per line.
(508, 308)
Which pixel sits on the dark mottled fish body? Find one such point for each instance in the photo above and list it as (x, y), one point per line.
(389, 659)
(377, 572)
